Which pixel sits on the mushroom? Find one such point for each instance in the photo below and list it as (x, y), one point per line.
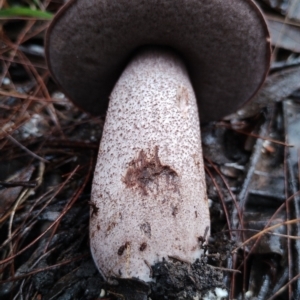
(154, 61)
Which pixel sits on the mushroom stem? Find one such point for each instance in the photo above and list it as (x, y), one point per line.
(149, 194)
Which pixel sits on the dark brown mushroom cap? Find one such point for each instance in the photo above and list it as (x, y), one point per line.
(225, 45)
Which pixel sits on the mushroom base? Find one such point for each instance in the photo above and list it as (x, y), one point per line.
(149, 195)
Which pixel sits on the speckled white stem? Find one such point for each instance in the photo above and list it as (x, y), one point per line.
(149, 196)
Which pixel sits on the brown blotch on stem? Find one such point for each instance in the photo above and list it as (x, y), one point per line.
(143, 246)
(148, 169)
(109, 228)
(175, 210)
(94, 208)
(122, 248)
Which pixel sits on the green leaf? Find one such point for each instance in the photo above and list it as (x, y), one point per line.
(18, 11)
